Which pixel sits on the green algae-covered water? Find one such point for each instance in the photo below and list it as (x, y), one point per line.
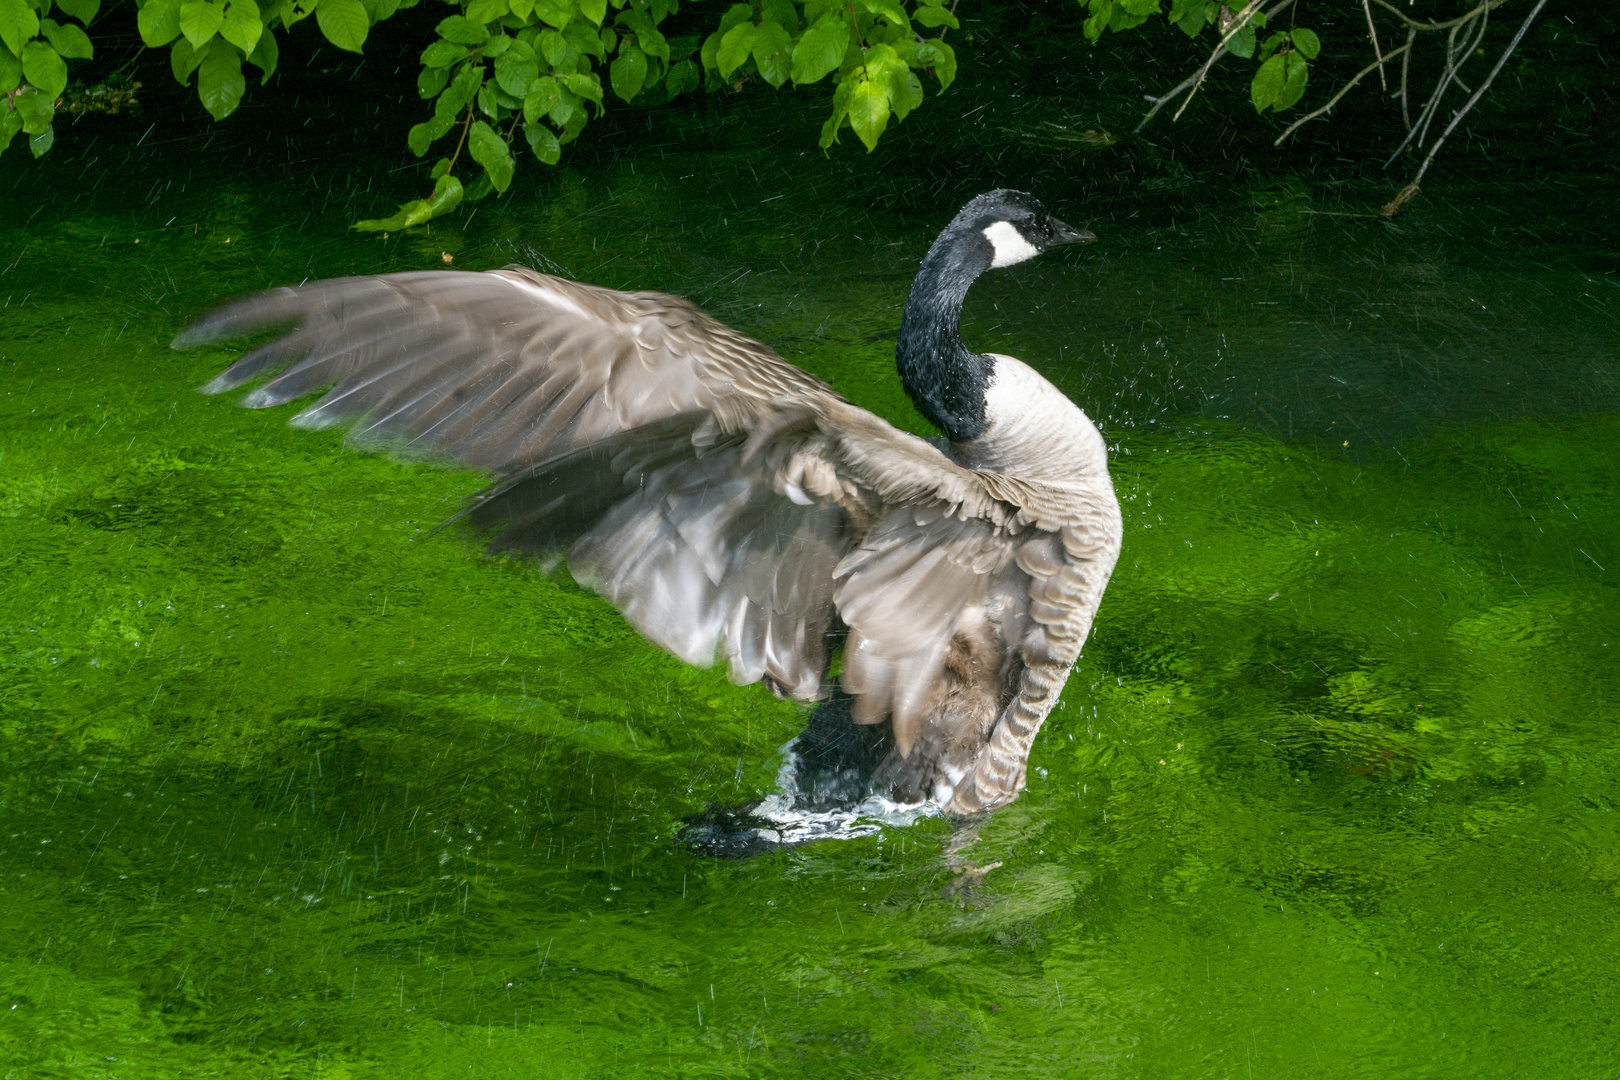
(294, 785)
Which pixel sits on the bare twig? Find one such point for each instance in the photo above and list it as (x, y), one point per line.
(1349, 86)
(1394, 205)
(1455, 59)
(1462, 112)
(1420, 129)
(1169, 95)
(1406, 67)
(1468, 16)
(1239, 24)
(1372, 31)
(465, 126)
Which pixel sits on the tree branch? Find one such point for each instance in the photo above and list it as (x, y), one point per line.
(1239, 24)
(1420, 130)
(1489, 5)
(1349, 86)
(1220, 50)
(1378, 52)
(1462, 112)
(1406, 67)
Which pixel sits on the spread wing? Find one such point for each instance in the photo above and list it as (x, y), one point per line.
(726, 502)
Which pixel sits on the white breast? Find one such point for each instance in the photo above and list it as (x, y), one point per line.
(1034, 431)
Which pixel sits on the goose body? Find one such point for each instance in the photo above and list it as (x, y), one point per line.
(732, 505)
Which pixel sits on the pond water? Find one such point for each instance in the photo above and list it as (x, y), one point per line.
(294, 785)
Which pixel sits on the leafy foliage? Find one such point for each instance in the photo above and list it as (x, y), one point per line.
(505, 74)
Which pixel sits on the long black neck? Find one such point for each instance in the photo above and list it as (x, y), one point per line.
(945, 380)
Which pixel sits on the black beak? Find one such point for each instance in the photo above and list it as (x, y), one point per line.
(1063, 234)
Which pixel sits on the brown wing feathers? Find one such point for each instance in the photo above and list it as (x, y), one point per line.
(728, 503)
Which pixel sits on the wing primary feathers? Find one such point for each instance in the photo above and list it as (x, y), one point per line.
(732, 506)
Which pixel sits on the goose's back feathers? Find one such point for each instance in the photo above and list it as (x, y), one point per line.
(728, 503)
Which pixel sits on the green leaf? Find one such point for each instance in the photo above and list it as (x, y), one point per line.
(10, 125)
(1140, 8)
(1242, 43)
(39, 144)
(773, 53)
(297, 11)
(840, 113)
(44, 69)
(83, 10)
(18, 24)
(710, 51)
(36, 110)
(653, 43)
(220, 82)
(200, 20)
(486, 11)
(781, 12)
(557, 13)
(159, 22)
(431, 81)
(543, 143)
(1267, 84)
(10, 75)
(462, 31)
(735, 47)
(1271, 43)
(516, 69)
(636, 20)
(869, 111)
(585, 40)
(264, 56)
(442, 54)
(682, 77)
(629, 72)
(242, 25)
(468, 81)
(68, 40)
(588, 87)
(1295, 73)
(446, 197)
(820, 50)
(891, 10)
(596, 11)
(885, 66)
(1102, 12)
(735, 15)
(378, 10)
(567, 112)
(423, 135)
(344, 23)
(1189, 15)
(559, 53)
(1306, 41)
(932, 15)
(478, 189)
(491, 151)
(542, 97)
(945, 64)
(183, 60)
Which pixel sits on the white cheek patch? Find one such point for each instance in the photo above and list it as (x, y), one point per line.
(1009, 243)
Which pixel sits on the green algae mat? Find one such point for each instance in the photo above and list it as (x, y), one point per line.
(295, 785)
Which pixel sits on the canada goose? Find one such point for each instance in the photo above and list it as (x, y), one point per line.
(730, 504)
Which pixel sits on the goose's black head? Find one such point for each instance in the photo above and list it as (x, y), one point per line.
(945, 380)
(1007, 227)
